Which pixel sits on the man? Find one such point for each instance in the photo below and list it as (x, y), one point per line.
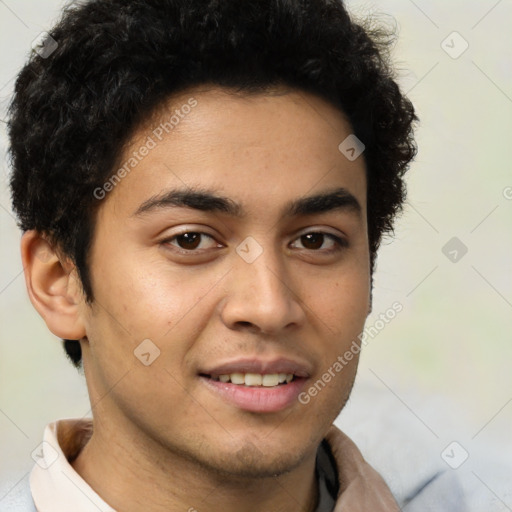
(203, 187)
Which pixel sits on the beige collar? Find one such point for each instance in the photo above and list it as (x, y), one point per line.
(362, 489)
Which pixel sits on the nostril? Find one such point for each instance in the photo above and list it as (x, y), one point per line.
(242, 324)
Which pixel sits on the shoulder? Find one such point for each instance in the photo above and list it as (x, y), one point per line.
(394, 433)
(15, 495)
(405, 452)
(441, 492)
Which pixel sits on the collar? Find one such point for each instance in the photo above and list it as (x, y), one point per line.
(55, 485)
(361, 488)
(346, 480)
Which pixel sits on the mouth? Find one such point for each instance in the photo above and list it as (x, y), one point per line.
(260, 393)
(255, 385)
(265, 380)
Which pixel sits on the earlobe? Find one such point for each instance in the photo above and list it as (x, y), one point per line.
(52, 286)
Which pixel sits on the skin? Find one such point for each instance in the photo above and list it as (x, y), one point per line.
(162, 439)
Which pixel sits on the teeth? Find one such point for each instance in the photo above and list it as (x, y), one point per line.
(268, 380)
(237, 378)
(253, 379)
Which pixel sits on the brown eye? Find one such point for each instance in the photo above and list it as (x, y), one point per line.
(188, 241)
(192, 240)
(312, 240)
(320, 242)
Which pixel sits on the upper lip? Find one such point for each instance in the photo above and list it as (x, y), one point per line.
(262, 366)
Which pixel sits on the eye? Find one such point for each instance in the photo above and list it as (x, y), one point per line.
(197, 242)
(191, 240)
(322, 242)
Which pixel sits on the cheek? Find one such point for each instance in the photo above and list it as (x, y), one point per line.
(339, 312)
(341, 300)
(142, 297)
(137, 301)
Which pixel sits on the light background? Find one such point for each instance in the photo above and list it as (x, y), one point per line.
(444, 361)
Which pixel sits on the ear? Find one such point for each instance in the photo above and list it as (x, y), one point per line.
(53, 286)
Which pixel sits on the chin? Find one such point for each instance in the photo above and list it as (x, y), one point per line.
(251, 462)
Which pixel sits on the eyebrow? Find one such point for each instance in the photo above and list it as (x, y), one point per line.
(339, 199)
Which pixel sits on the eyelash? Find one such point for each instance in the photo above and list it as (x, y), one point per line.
(340, 243)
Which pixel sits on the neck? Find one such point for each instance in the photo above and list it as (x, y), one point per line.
(148, 477)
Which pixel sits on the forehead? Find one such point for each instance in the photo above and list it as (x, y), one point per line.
(266, 147)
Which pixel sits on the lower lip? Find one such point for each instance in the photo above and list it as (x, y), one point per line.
(257, 398)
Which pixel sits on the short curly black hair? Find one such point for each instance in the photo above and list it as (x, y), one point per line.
(109, 64)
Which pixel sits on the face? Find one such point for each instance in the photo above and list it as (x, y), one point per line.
(230, 269)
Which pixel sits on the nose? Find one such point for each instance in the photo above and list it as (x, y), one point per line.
(262, 296)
